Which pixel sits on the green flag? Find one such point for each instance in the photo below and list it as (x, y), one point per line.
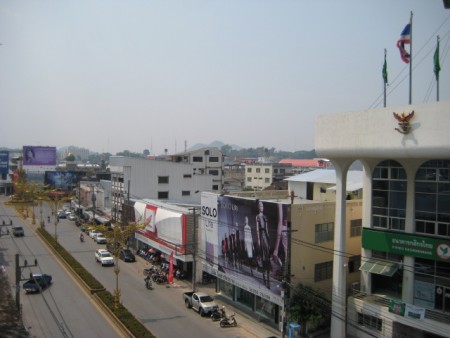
(385, 72)
(437, 66)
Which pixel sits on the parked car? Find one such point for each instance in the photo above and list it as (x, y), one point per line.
(200, 301)
(100, 238)
(62, 214)
(72, 217)
(92, 233)
(127, 256)
(104, 257)
(18, 231)
(37, 283)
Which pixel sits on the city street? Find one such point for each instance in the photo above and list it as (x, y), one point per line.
(161, 310)
(62, 310)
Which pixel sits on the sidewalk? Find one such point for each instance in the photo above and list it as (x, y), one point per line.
(244, 317)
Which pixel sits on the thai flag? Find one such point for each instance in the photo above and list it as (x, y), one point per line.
(405, 37)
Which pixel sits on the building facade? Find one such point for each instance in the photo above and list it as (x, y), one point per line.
(177, 178)
(405, 263)
(244, 242)
(259, 176)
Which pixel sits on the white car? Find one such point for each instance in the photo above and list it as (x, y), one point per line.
(100, 239)
(92, 233)
(72, 217)
(104, 257)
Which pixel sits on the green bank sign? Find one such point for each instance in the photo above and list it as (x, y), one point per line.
(408, 245)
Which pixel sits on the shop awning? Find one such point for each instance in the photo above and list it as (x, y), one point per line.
(379, 267)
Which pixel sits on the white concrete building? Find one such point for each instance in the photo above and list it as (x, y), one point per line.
(259, 176)
(405, 271)
(177, 179)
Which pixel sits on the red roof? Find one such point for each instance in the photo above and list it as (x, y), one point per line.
(310, 163)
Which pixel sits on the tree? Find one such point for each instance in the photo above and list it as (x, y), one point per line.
(309, 307)
(118, 237)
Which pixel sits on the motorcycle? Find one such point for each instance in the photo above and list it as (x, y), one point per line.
(228, 321)
(81, 238)
(218, 314)
(148, 283)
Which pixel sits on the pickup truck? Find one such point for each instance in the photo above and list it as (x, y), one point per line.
(200, 301)
(104, 257)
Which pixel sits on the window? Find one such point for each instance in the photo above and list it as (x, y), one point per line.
(185, 193)
(432, 198)
(267, 180)
(267, 170)
(249, 179)
(258, 170)
(275, 171)
(214, 172)
(214, 159)
(215, 187)
(282, 171)
(163, 195)
(323, 271)
(324, 232)
(197, 159)
(163, 179)
(369, 321)
(323, 190)
(355, 227)
(249, 170)
(354, 263)
(187, 176)
(389, 196)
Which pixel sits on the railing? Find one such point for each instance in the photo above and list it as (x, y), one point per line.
(439, 316)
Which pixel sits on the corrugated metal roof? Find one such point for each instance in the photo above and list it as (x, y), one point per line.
(327, 176)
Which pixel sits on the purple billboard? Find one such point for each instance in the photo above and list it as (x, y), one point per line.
(4, 162)
(33, 155)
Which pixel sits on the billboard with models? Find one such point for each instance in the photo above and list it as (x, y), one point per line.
(39, 156)
(249, 237)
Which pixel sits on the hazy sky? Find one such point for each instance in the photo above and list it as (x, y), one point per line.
(113, 75)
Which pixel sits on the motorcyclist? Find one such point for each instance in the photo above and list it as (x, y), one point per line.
(81, 238)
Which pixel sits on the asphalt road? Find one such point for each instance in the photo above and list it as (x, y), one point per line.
(62, 310)
(161, 310)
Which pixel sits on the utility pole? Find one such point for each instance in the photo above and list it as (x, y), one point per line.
(194, 251)
(18, 278)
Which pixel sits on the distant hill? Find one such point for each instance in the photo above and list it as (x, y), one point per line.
(217, 144)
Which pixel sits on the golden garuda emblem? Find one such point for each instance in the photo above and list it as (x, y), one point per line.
(403, 122)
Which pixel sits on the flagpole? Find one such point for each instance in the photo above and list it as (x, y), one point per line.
(437, 68)
(411, 60)
(385, 77)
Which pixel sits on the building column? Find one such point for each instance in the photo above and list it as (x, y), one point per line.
(339, 296)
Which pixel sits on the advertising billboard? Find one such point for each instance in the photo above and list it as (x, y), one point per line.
(164, 229)
(34, 155)
(4, 162)
(246, 242)
(64, 180)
